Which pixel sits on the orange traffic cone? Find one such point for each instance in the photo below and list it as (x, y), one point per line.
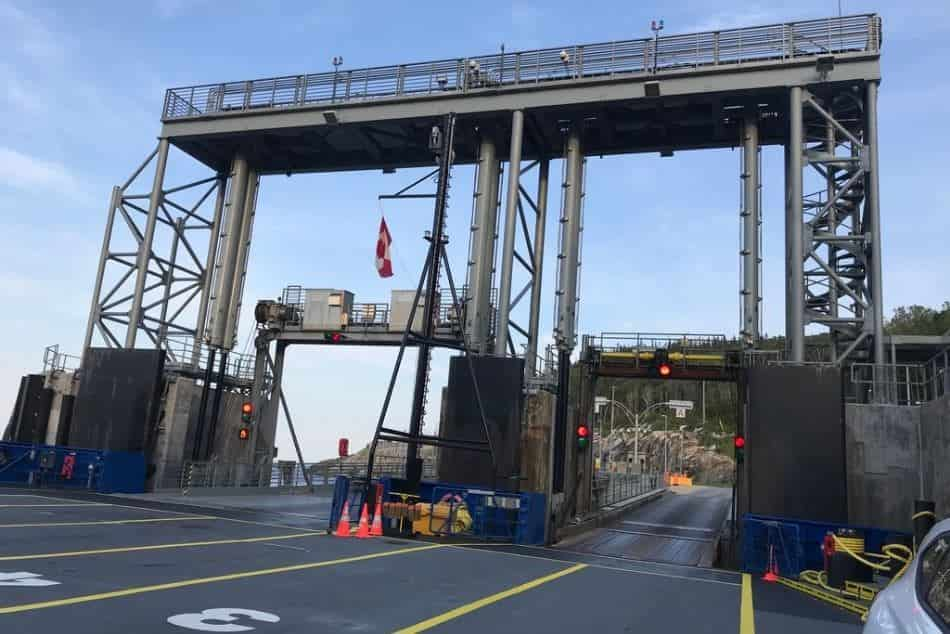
(362, 530)
(343, 528)
(771, 573)
(376, 530)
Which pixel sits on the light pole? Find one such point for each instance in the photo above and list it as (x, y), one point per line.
(666, 443)
(636, 425)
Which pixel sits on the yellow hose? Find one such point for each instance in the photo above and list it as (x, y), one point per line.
(899, 552)
(843, 546)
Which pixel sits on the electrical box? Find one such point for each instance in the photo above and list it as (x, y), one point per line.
(326, 309)
(400, 306)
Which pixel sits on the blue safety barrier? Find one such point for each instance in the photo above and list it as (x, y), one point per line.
(71, 468)
(797, 543)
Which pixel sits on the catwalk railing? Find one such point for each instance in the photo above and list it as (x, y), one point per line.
(728, 47)
(613, 488)
(282, 474)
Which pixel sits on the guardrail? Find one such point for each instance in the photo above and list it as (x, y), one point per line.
(612, 488)
(281, 474)
(56, 361)
(774, 42)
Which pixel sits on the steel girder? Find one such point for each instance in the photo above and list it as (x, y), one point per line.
(840, 232)
(153, 274)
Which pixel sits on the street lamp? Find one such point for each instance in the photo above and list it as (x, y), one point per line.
(636, 425)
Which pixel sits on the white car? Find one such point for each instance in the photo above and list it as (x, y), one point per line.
(918, 602)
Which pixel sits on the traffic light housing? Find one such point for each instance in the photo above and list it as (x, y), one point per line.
(244, 433)
(334, 337)
(660, 365)
(583, 436)
(247, 412)
(739, 443)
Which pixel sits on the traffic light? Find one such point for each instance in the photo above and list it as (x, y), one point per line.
(583, 436)
(660, 365)
(244, 433)
(334, 337)
(740, 449)
(247, 411)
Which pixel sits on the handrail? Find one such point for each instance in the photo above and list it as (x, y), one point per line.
(773, 42)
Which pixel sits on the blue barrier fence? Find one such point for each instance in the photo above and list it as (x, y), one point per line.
(71, 468)
(472, 512)
(796, 544)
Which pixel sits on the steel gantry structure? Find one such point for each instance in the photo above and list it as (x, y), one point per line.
(810, 86)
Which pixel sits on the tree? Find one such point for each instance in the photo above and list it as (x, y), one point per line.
(919, 320)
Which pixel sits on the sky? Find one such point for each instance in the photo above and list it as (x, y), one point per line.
(81, 91)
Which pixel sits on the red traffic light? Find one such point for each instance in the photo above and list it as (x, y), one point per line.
(247, 408)
(664, 369)
(334, 337)
(582, 431)
(244, 433)
(740, 442)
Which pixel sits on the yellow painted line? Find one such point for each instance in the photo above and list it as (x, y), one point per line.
(746, 612)
(39, 506)
(494, 598)
(107, 522)
(87, 598)
(132, 549)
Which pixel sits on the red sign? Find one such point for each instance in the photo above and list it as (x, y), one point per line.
(344, 447)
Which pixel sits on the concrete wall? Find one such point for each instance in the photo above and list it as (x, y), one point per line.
(63, 384)
(882, 464)
(935, 442)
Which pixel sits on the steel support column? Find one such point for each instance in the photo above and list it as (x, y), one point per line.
(794, 276)
(873, 221)
(243, 251)
(531, 354)
(750, 230)
(569, 254)
(206, 282)
(227, 257)
(481, 261)
(145, 245)
(114, 201)
(508, 248)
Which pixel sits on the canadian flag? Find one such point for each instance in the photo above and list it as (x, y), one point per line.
(384, 262)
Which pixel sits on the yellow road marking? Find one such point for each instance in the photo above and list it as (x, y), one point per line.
(37, 506)
(746, 613)
(86, 598)
(132, 549)
(494, 598)
(105, 522)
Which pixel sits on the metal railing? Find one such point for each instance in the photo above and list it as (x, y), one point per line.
(370, 315)
(898, 384)
(281, 474)
(184, 354)
(606, 60)
(612, 488)
(56, 361)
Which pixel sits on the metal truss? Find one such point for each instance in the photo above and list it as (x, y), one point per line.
(840, 240)
(521, 339)
(151, 266)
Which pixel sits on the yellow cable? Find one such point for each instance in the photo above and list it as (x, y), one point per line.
(916, 516)
(901, 553)
(870, 564)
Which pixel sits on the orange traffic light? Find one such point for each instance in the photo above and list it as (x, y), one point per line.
(244, 433)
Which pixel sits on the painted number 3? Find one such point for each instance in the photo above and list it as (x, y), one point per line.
(221, 619)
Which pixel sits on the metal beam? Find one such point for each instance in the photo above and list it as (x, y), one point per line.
(94, 309)
(508, 248)
(534, 311)
(227, 257)
(240, 270)
(145, 246)
(794, 254)
(569, 256)
(481, 260)
(873, 221)
(206, 273)
(750, 229)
